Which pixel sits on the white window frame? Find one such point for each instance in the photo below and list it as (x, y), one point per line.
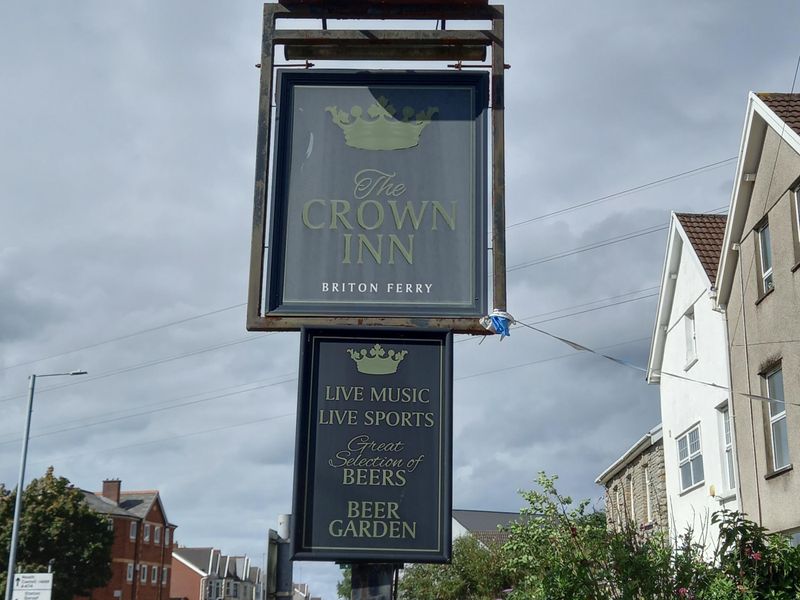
(129, 575)
(620, 509)
(767, 280)
(647, 491)
(797, 212)
(154, 575)
(689, 458)
(235, 590)
(143, 574)
(726, 446)
(690, 338)
(630, 492)
(157, 535)
(164, 575)
(134, 530)
(775, 419)
(166, 536)
(147, 532)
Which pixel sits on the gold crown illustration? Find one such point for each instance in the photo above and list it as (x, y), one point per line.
(376, 360)
(384, 131)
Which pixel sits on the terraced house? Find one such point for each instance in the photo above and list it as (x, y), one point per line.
(207, 574)
(758, 287)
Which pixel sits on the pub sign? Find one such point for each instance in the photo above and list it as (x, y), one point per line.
(373, 459)
(379, 194)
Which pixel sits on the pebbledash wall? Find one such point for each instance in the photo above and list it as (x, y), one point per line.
(635, 485)
(763, 310)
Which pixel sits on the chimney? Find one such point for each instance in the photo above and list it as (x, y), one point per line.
(111, 489)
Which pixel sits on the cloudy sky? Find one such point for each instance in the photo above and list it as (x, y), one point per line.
(126, 173)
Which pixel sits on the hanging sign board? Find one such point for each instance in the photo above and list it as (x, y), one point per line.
(379, 194)
(373, 460)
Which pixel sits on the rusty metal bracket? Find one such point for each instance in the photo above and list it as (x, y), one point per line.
(415, 44)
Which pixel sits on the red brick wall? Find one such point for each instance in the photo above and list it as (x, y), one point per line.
(150, 554)
(186, 582)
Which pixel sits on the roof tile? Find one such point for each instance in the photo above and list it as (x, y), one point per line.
(705, 233)
(786, 106)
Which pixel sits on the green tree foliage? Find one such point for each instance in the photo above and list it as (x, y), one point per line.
(56, 524)
(475, 573)
(345, 585)
(562, 550)
(566, 552)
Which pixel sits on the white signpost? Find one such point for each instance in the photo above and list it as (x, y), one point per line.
(32, 586)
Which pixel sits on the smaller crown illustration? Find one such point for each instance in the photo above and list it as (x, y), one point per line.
(384, 131)
(376, 360)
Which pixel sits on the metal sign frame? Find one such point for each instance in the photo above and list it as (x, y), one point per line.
(327, 44)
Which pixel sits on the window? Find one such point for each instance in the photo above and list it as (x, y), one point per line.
(235, 590)
(796, 223)
(134, 527)
(157, 534)
(691, 338)
(143, 574)
(154, 576)
(164, 575)
(727, 448)
(147, 532)
(690, 459)
(111, 524)
(166, 537)
(633, 504)
(129, 576)
(217, 589)
(777, 419)
(619, 507)
(648, 502)
(227, 588)
(765, 253)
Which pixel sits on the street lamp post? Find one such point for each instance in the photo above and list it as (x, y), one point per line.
(12, 551)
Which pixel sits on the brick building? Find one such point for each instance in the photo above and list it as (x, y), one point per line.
(141, 556)
(635, 489)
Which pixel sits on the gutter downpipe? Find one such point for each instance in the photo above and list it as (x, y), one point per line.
(731, 408)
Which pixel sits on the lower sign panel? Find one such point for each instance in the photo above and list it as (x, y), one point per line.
(373, 461)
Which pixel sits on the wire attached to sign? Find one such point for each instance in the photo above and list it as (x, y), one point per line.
(499, 321)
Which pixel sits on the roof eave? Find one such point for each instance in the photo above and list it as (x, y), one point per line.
(758, 117)
(642, 444)
(666, 294)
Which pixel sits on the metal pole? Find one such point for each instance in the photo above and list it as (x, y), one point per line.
(12, 552)
(371, 581)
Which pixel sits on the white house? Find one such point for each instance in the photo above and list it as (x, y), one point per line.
(689, 361)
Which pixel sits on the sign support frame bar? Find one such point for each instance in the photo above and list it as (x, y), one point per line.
(402, 41)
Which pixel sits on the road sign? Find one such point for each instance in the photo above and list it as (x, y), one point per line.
(33, 581)
(32, 586)
(31, 594)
